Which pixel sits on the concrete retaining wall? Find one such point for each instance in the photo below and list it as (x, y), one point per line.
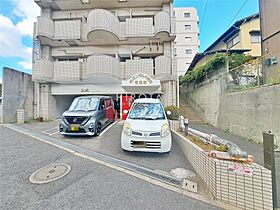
(249, 113)
(245, 190)
(17, 94)
(245, 113)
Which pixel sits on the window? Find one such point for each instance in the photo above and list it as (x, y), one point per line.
(188, 27)
(188, 39)
(175, 51)
(233, 42)
(36, 50)
(174, 13)
(255, 37)
(188, 51)
(187, 15)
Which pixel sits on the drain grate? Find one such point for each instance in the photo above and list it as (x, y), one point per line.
(49, 173)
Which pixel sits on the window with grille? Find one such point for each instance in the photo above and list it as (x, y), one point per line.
(255, 37)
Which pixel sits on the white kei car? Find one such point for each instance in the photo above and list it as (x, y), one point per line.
(146, 128)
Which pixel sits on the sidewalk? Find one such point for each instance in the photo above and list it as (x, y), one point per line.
(250, 147)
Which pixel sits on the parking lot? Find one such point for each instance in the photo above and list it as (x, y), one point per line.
(108, 143)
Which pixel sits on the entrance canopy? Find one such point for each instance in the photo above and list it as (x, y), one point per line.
(140, 83)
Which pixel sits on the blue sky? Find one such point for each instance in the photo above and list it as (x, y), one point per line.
(17, 17)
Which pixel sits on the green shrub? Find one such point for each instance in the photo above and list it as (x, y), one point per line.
(215, 62)
(175, 112)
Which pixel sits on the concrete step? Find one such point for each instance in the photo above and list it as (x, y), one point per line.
(189, 112)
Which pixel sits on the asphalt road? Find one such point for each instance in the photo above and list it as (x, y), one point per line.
(87, 186)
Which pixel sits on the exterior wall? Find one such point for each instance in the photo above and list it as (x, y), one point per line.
(184, 60)
(17, 94)
(245, 38)
(269, 10)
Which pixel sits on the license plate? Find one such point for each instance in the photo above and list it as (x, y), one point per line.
(139, 143)
(74, 127)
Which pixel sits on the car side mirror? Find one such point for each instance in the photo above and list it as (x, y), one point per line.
(125, 111)
(168, 112)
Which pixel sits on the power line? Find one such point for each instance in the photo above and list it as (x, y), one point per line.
(237, 13)
(204, 11)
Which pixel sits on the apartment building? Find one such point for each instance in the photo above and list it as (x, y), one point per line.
(187, 42)
(120, 48)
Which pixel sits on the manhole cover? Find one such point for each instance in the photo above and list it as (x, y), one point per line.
(49, 173)
(181, 173)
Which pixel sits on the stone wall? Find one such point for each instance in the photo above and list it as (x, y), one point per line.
(17, 94)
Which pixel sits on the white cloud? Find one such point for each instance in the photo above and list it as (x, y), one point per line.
(11, 34)
(10, 41)
(28, 10)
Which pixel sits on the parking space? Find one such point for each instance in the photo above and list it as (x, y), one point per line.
(109, 144)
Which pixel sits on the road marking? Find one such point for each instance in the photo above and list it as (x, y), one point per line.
(106, 129)
(53, 133)
(71, 149)
(50, 129)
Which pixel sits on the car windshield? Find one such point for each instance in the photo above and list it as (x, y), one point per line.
(147, 111)
(84, 104)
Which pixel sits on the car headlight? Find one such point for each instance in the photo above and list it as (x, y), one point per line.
(127, 129)
(165, 131)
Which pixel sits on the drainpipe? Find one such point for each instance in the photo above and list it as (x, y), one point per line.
(178, 92)
(38, 101)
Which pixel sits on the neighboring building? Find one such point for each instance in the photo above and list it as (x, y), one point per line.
(118, 48)
(244, 34)
(186, 43)
(270, 30)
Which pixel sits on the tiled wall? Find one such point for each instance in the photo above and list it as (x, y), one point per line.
(162, 22)
(70, 29)
(45, 27)
(103, 19)
(247, 191)
(139, 27)
(67, 71)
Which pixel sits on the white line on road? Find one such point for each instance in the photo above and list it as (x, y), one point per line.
(53, 133)
(46, 131)
(105, 130)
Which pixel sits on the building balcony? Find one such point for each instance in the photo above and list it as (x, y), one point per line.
(164, 68)
(42, 70)
(162, 24)
(66, 71)
(102, 25)
(100, 68)
(44, 29)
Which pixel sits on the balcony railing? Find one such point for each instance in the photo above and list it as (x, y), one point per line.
(100, 67)
(44, 27)
(65, 71)
(42, 70)
(102, 20)
(162, 22)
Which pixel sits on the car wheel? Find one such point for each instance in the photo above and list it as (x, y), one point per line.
(97, 129)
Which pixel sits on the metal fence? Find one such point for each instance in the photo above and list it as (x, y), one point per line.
(252, 74)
